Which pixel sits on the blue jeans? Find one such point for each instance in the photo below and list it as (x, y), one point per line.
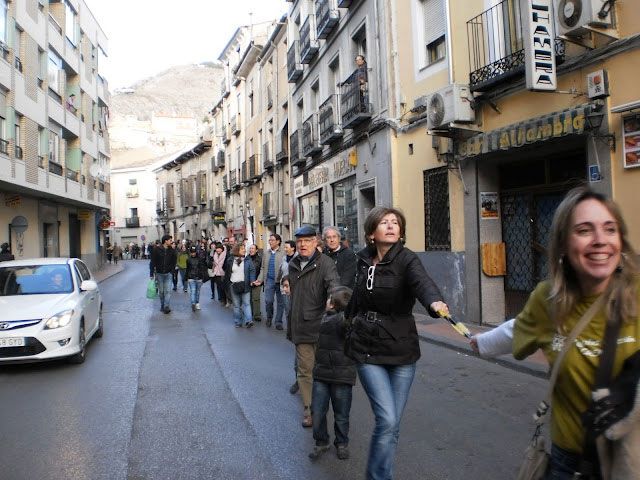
(387, 387)
(164, 288)
(272, 289)
(340, 396)
(194, 289)
(241, 307)
(183, 277)
(562, 464)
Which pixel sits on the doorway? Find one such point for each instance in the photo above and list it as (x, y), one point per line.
(74, 236)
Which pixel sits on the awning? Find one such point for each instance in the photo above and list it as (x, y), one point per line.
(540, 129)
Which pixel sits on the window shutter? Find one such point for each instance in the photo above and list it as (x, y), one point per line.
(434, 20)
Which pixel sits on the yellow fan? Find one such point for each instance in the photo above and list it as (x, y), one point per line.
(459, 326)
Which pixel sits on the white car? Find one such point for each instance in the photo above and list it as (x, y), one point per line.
(49, 308)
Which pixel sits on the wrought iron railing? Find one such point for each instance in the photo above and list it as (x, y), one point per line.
(495, 44)
(225, 183)
(308, 45)
(235, 124)
(436, 210)
(267, 162)
(310, 141)
(245, 172)
(132, 222)
(233, 181)
(268, 210)
(329, 121)
(55, 168)
(254, 167)
(72, 175)
(354, 99)
(326, 18)
(294, 66)
(295, 148)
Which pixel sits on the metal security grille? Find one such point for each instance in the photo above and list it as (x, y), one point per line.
(437, 229)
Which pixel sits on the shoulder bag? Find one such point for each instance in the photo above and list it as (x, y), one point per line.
(536, 458)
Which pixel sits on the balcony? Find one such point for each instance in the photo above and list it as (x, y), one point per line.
(55, 168)
(217, 206)
(268, 211)
(327, 17)
(296, 158)
(282, 148)
(254, 168)
(310, 140)
(220, 159)
(235, 125)
(170, 196)
(309, 46)
(214, 167)
(329, 121)
(224, 90)
(72, 175)
(233, 179)
(354, 100)
(495, 41)
(294, 66)
(18, 151)
(267, 163)
(226, 139)
(269, 97)
(225, 184)
(132, 222)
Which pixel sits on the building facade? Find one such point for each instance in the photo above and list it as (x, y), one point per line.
(54, 146)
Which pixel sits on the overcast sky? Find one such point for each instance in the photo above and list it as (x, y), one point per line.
(149, 36)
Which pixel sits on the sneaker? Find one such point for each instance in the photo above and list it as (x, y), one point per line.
(184, 290)
(294, 388)
(279, 326)
(249, 324)
(268, 324)
(166, 310)
(343, 452)
(308, 422)
(317, 451)
(193, 307)
(197, 306)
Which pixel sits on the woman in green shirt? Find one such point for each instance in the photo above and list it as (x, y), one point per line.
(589, 256)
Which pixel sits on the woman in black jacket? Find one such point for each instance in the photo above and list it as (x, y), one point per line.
(384, 340)
(196, 273)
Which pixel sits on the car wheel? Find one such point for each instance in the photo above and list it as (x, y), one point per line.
(80, 356)
(100, 330)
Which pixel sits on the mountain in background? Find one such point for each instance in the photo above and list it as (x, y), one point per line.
(163, 114)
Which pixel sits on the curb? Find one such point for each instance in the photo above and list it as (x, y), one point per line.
(110, 274)
(507, 361)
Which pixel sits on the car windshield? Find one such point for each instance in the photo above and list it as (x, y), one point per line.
(35, 280)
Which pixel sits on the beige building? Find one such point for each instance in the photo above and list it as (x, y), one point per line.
(54, 145)
(500, 155)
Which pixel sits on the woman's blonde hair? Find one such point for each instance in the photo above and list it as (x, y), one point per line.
(235, 250)
(565, 290)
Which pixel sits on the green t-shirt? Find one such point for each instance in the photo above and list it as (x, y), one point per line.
(182, 260)
(534, 329)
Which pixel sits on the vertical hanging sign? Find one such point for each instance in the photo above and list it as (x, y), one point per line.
(538, 38)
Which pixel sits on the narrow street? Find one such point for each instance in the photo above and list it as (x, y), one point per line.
(188, 396)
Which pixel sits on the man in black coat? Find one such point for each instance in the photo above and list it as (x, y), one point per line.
(6, 254)
(163, 263)
(343, 257)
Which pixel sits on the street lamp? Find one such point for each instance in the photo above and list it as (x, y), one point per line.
(594, 121)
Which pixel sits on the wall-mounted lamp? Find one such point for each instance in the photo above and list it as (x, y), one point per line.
(593, 123)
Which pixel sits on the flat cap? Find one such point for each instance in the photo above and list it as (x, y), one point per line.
(305, 231)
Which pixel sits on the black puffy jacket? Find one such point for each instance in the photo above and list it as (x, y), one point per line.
(332, 365)
(383, 330)
(196, 268)
(345, 261)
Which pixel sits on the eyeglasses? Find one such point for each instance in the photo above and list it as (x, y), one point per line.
(370, 273)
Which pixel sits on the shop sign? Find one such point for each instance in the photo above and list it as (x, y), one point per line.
(318, 177)
(342, 167)
(540, 129)
(103, 223)
(84, 215)
(12, 200)
(219, 220)
(539, 42)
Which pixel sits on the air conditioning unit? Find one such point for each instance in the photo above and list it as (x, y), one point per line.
(574, 16)
(451, 104)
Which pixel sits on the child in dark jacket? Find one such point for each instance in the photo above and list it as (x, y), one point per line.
(334, 375)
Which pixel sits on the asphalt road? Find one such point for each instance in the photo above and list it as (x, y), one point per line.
(188, 396)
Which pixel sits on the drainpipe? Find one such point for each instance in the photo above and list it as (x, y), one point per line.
(392, 7)
(378, 65)
(447, 15)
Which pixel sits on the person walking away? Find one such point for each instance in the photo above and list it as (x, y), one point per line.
(289, 252)
(383, 340)
(117, 253)
(182, 257)
(219, 260)
(196, 274)
(5, 253)
(240, 273)
(311, 276)
(343, 257)
(256, 258)
(231, 242)
(109, 252)
(590, 259)
(271, 260)
(163, 261)
(334, 375)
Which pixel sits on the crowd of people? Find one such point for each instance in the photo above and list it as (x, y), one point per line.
(350, 315)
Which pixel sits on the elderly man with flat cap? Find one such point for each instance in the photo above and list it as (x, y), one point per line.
(311, 276)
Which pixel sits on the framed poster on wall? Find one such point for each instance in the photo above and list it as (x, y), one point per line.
(631, 136)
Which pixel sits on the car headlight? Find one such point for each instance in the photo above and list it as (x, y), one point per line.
(59, 320)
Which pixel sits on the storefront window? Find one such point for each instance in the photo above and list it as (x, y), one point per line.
(345, 206)
(310, 210)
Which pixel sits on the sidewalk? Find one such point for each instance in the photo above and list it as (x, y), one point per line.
(107, 270)
(440, 332)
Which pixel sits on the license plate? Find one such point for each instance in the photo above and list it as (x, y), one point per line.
(12, 342)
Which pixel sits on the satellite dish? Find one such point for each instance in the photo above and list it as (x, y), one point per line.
(94, 170)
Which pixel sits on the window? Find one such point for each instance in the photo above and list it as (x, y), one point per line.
(436, 50)
(53, 72)
(102, 64)
(251, 105)
(3, 21)
(133, 181)
(70, 24)
(346, 210)
(334, 76)
(436, 210)
(134, 212)
(54, 147)
(18, 148)
(434, 19)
